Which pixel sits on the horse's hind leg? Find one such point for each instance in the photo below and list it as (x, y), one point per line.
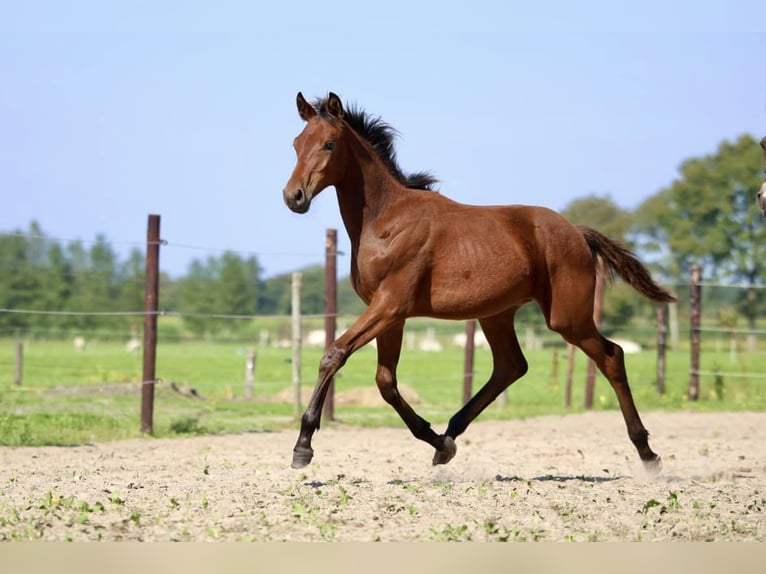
(509, 365)
(389, 349)
(609, 358)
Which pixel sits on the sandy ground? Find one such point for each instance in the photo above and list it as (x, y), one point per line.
(545, 479)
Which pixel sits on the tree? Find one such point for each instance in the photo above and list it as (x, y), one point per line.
(132, 287)
(709, 216)
(601, 213)
(276, 297)
(227, 285)
(19, 283)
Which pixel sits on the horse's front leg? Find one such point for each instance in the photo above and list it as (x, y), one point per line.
(331, 362)
(370, 324)
(389, 349)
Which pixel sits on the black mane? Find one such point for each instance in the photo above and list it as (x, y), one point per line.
(381, 137)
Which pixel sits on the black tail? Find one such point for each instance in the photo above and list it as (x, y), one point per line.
(622, 261)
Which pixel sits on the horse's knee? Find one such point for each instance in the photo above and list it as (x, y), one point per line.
(613, 351)
(506, 374)
(332, 360)
(386, 385)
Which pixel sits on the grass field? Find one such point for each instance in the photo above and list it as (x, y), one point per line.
(70, 397)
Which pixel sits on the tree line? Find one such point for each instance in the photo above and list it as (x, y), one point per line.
(707, 216)
(80, 281)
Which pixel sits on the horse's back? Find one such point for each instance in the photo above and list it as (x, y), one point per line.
(495, 257)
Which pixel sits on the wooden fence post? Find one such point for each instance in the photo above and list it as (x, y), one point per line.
(250, 374)
(695, 304)
(19, 363)
(296, 315)
(662, 330)
(570, 374)
(151, 305)
(330, 309)
(470, 332)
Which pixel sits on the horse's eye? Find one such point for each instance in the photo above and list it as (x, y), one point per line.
(329, 145)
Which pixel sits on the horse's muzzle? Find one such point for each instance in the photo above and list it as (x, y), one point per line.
(297, 200)
(761, 198)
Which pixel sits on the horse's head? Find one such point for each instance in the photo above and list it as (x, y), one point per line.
(321, 151)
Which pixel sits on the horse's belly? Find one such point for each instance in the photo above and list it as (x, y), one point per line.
(479, 287)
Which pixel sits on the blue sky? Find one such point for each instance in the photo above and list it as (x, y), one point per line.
(110, 111)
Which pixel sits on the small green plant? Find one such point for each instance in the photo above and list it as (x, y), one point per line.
(649, 504)
(496, 531)
(412, 488)
(344, 496)
(300, 510)
(672, 504)
(451, 533)
(446, 487)
(187, 425)
(327, 530)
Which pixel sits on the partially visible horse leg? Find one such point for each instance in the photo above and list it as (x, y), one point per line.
(389, 349)
(370, 324)
(609, 358)
(330, 363)
(509, 365)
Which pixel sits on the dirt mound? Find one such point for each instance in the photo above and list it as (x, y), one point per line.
(357, 397)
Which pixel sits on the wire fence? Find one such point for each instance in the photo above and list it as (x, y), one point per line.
(107, 357)
(273, 333)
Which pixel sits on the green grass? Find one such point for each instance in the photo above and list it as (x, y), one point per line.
(70, 397)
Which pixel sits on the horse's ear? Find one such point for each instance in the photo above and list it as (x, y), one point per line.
(334, 107)
(305, 109)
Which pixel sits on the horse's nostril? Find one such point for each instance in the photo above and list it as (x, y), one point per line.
(299, 196)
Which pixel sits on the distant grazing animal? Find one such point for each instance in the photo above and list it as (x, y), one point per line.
(80, 344)
(414, 252)
(133, 345)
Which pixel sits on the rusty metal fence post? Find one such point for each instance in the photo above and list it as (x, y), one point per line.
(151, 306)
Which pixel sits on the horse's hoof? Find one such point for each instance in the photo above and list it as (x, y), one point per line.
(301, 457)
(653, 467)
(447, 452)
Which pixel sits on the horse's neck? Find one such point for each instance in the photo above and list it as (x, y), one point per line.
(365, 192)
